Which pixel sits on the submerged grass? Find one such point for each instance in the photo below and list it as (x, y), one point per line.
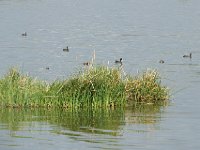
(97, 86)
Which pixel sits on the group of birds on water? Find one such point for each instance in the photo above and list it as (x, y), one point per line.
(184, 56)
(66, 49)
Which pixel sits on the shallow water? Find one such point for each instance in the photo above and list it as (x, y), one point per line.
(141, 32)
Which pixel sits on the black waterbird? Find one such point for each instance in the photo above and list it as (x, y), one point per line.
(66, 49)
(187, 56)
(118, 61)
(162, 61)
(86, 63)
(24, 34)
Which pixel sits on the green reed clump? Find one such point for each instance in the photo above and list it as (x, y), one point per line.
(146, 89)
(94, 87)
(19, 90)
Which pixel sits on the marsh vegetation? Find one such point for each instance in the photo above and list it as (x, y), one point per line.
(95, 86)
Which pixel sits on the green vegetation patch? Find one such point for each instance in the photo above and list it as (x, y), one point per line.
(96, 86)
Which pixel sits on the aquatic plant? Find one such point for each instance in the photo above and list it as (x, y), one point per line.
(20, 90)
(146, 88)
(94, 87)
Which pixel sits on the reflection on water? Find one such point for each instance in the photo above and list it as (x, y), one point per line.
(99, 126)
(98, 121)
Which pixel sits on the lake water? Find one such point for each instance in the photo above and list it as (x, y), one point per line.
(142, 32)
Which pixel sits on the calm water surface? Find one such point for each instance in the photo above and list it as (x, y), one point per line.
(141, 32)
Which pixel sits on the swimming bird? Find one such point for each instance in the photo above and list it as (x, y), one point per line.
(118, 61)
(66, 49)
(24, 34)
(188, 56)
(86, 63)
(162, 61)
